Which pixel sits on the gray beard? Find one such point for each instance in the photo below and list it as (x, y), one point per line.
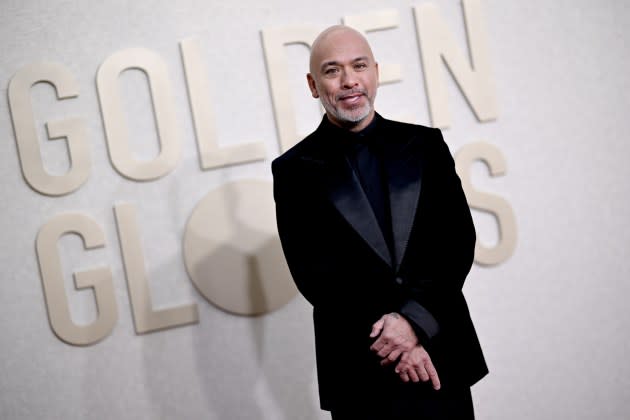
(349, 116)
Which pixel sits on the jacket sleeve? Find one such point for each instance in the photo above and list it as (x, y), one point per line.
(428, 299)
(300, 239)
(421, 320)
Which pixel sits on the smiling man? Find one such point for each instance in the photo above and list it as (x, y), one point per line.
(344, 76)
(378, 236)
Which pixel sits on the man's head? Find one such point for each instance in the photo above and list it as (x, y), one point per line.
(344, 76)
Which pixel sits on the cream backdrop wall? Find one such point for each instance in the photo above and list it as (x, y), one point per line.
(551, 315)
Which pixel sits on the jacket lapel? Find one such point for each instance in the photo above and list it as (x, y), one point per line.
(350, 199)
(344, 191)
(343, 188)
(403, 167)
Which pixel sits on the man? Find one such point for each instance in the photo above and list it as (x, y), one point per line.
(379, 239)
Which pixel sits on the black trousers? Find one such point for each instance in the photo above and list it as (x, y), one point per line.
(445, 404)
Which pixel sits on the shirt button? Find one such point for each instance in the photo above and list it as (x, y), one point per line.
(398, 280)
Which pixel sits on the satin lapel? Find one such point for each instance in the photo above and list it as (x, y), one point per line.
(345, 192)
(404, 173)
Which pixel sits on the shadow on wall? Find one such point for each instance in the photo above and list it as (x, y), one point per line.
(254, 358)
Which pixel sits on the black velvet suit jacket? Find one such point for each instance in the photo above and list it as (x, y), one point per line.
(340, 262)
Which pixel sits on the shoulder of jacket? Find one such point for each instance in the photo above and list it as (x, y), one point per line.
(297, 151)
(410, 128)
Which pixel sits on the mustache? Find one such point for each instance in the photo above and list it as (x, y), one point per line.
(349, 92)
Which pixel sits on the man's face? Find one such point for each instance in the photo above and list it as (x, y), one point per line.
(344, 76)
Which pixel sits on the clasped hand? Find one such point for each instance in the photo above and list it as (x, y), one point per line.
(397, 341)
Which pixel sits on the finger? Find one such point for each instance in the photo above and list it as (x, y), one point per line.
(435, 379)
(404, 376)
(378, 344)
(386, 350)
(391, 357)
(413, 375)
(402, 364)
(422, 373)
(377, 327)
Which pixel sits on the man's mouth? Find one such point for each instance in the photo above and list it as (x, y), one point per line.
(351, 98)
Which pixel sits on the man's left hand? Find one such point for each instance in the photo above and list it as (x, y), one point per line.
(395, 336)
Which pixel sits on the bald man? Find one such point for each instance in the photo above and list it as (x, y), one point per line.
(378, 236)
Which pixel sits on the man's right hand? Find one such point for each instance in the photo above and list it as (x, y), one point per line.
(416, 365)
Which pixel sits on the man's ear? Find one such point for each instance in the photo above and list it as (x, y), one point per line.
(378, 76)
(312, 86)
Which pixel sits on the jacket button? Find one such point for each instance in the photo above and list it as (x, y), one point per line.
(398, 280)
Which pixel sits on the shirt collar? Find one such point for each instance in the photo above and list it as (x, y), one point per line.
(367, 135)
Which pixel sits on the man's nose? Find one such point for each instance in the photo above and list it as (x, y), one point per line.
(348, 79)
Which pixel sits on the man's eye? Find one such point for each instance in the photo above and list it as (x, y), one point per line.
(331, 70)
(360, 66)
